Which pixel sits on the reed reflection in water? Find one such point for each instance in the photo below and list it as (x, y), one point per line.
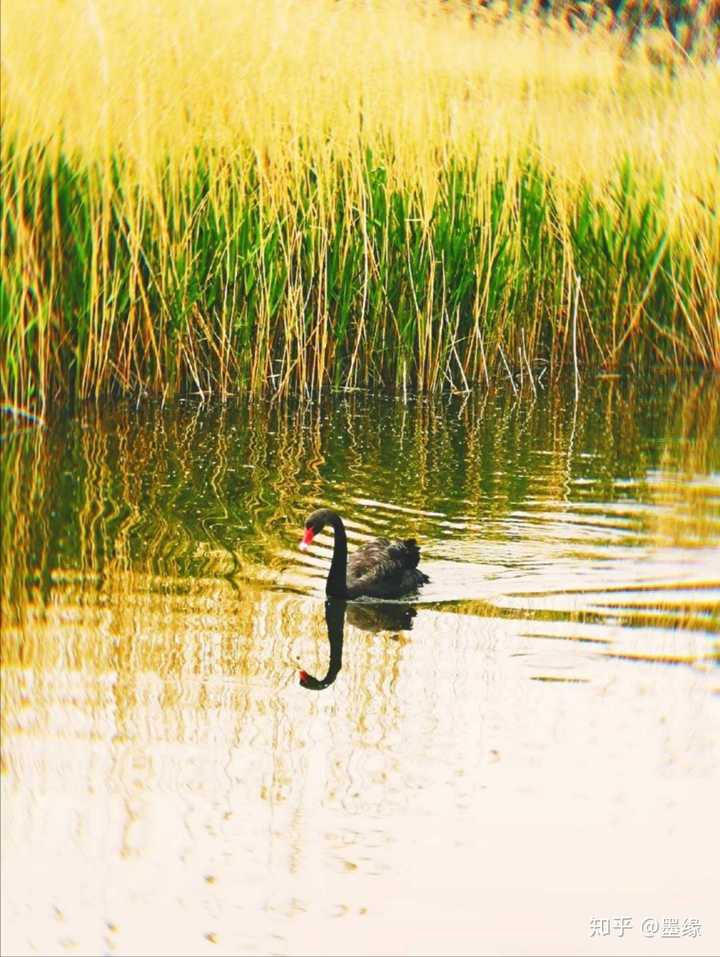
(531, 743)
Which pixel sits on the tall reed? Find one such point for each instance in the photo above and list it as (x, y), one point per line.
(222, 197)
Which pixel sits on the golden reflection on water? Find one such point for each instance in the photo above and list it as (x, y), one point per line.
(530, 744)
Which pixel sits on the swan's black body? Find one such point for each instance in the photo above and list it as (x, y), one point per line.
(380, 569)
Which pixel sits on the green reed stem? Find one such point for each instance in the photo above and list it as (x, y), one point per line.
(208, 283)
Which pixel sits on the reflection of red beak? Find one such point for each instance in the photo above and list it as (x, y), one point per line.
(307, 538)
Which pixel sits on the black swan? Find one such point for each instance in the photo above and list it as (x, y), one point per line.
(380, 569)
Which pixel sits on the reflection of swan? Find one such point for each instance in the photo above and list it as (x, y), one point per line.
(380, 569)
(386, 616)
(374, 618)
(335, 621)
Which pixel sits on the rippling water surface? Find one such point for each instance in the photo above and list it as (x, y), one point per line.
(529, 745)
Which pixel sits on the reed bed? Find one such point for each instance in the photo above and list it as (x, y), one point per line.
(219, 197)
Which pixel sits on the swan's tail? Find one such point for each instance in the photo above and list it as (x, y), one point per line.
(412, 552)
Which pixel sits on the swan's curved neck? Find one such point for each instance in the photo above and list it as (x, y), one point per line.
(336, 586)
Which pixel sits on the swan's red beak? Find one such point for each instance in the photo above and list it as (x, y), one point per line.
(303, 677)
(307, 538)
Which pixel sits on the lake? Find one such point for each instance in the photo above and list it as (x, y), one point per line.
(200, 757)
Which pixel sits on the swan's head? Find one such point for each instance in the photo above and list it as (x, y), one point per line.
(315, 523)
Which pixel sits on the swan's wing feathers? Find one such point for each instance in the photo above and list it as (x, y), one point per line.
(384, 567)
(406, 552)
(373, 560)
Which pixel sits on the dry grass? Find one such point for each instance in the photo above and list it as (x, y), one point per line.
(221, 196)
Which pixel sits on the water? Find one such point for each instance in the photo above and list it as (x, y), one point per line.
(529, 745)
